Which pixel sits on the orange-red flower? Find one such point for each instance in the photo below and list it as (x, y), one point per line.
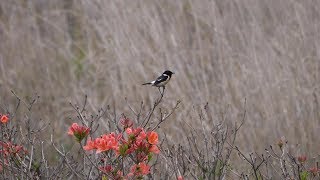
(104, 143)
(90, 145)
(145, 169)
(135, 142)
(139, 140)
(152, 137)
(140, 169)
(79, 132)
(154, 149)
(141, 136)
(136, 135)
(134, 131)
(4, 118)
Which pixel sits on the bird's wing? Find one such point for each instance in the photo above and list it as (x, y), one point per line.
(161, 79)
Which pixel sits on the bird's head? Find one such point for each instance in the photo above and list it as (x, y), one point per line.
(167, 72)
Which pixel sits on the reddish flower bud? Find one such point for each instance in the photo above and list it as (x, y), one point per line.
(106, 169)
(280, 143)
(4, 119)
(314, 170)
(302, 159)
(126, 123)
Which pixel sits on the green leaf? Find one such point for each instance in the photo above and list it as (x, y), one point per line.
(304, 175)
(149, 157)
(123, 149)
(104, 177)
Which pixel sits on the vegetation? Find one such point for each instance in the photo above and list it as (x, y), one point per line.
(243, 102)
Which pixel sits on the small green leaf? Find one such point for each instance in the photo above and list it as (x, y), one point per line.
(304, 175)
(123, 149)
(104, 177)
(149, 157)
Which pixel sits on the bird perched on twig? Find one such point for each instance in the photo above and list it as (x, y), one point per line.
(161, 81)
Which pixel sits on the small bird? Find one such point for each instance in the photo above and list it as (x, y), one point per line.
(161, 81)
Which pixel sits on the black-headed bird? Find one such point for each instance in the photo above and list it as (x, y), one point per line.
(161, 81)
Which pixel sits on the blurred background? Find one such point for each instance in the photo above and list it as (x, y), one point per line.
(264, 52)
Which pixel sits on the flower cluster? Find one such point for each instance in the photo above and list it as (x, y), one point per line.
(139, 170)
(11, 151)
(139, 141)
(79, 132)
(134, 145)
(8, 148)
(314, 171)
(104, 143)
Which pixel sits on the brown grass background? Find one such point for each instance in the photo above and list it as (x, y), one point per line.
(223, 52)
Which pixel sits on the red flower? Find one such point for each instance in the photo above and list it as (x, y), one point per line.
(104, 143)
(135, 142)
(107, 142)
(4, 119)
(145, 169)
(134, 132)
(142, 136)
(302, 159)
(180, 178)
(79, 132)
(106, 169)
(136, 135)
(154, 149)
(140, 169)
(141, 157)
(129, 131)
(90, 145)
(152, 137)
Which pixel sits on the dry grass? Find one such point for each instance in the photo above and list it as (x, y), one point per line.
(222, 52)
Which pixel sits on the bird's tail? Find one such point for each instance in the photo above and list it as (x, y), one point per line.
(147, 83)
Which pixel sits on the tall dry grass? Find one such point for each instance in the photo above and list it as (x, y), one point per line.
(222, 52)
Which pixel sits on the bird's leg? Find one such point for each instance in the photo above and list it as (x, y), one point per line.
(163, 88)
(159, 90)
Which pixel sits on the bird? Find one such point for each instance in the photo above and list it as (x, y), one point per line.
(161, 81)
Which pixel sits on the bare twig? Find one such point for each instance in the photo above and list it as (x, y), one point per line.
(147, 119)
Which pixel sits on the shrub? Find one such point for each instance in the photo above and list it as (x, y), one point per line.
(133, 148)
